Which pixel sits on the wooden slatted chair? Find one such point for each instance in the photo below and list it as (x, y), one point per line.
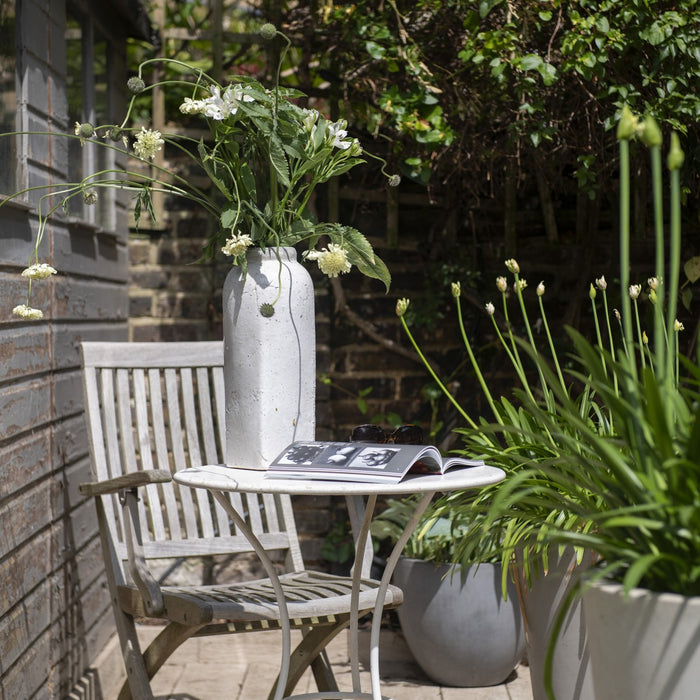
(152, 409)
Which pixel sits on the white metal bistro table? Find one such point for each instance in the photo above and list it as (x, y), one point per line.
(220, 479)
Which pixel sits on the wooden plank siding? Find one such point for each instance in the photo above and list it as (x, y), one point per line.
(54, 607)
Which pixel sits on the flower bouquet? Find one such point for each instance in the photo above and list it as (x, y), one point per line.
(264, 157)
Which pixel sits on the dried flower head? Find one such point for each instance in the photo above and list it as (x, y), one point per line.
(24, 311)
(268, 31)
(332, 261)
(90, 197)
(237, 245)
(394, 180)
(38, 271)
(148, 143)
(135, 85)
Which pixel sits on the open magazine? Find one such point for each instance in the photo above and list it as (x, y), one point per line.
(361, 461)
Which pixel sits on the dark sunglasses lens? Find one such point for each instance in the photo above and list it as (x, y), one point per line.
(408, 435)
(368, 433)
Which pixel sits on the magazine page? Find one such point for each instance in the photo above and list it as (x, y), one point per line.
(353, 461)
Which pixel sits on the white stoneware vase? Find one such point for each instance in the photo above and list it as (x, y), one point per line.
(645, 646)
(269, 360)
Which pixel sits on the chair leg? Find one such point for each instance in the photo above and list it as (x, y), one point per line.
(311, 652)
(158, 651)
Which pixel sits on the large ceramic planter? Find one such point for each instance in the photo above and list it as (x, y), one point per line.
(645, 646)
(269, 357)
(571, 676)
(458, 627)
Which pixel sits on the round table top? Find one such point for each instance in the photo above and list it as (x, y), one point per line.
(222, 478)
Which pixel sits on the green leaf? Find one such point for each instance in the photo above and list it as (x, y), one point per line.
(375, 50)
(279, 162)
(692, 269)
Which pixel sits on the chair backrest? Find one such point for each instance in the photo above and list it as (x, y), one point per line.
(161, 406)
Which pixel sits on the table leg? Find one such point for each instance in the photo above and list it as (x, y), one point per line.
(384, 584)
(241, 524)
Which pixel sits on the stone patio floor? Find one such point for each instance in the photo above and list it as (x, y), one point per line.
(243, 667)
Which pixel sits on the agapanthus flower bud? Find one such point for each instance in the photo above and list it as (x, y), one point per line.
(635, 290)
(268, 31)
(652, 296)
(402, 306)
(601, 283)
(645, 338)
(675, 153)
(628, 125)
(501, 284)
(540, 289)
(678, 326)
(456, 289)
(135, 85)
(618, 315)
(490, 309)
(512, 265)
(650, 132)
(591, 292)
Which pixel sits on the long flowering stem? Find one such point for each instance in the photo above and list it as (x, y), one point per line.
(433, 374)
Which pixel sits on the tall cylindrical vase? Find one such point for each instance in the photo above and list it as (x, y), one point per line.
(269, 357)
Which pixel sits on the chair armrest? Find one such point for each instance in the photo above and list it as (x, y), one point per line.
(126, 481)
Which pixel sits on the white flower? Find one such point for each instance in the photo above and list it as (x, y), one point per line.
(512, 265)
(148, 143)
(678, 326)
(24, 311)
(38, 271)
(635, 290)
(653, 283)
(338, 134)
(237, 245)
(190, 106)
(519, 285)
(501, 284)
(332, 261)
(220, 106)
(540, 289)
(490, 309)
(601, 283)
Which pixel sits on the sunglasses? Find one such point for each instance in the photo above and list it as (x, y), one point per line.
(403, 435)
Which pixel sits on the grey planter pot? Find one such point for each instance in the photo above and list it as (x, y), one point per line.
(645, 646)
(459, 629)
(571, 676)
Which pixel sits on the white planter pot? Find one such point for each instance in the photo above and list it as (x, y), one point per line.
(459, 629)
(269, 361)
(644, 647)
(571, 676)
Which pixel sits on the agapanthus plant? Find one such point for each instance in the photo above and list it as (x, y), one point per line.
(603, 453)
(264, 157)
